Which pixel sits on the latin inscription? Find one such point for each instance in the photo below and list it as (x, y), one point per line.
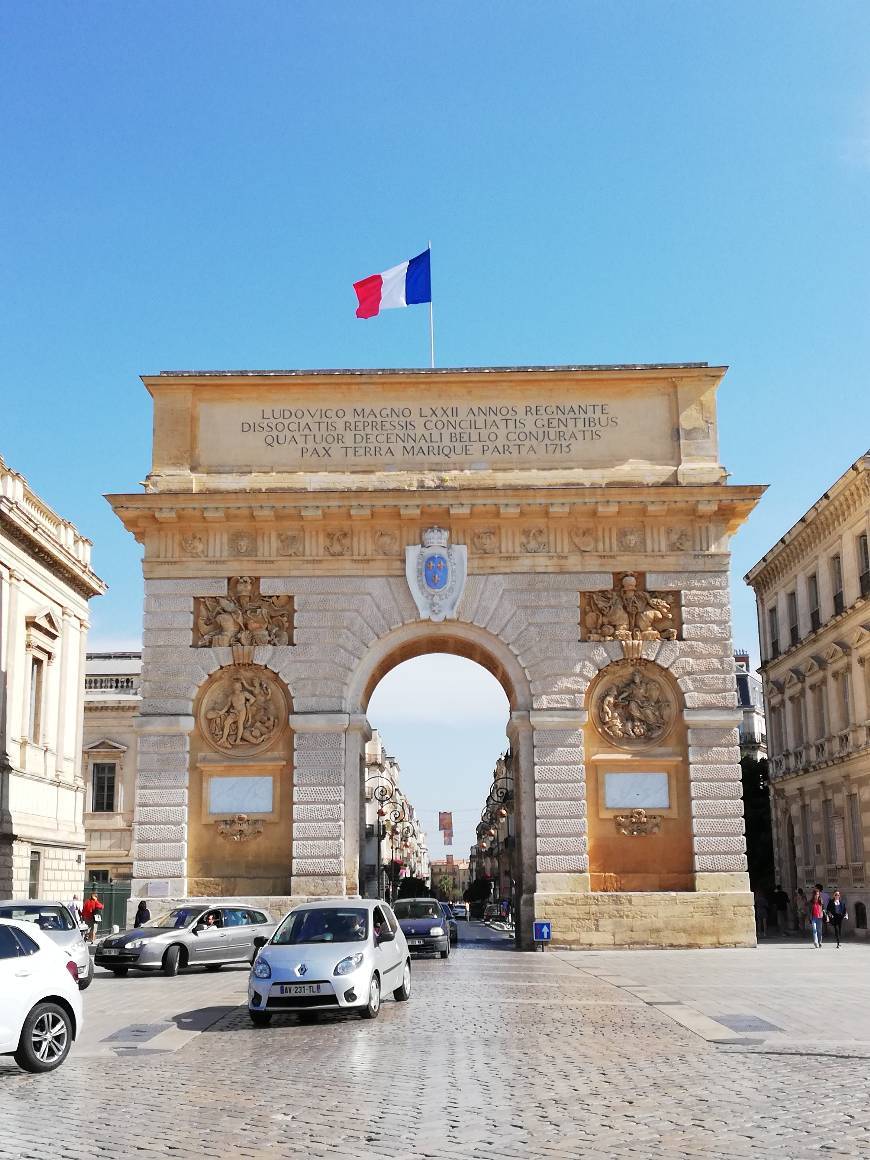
(345, 434)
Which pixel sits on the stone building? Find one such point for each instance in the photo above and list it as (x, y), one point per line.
(46, 582)
(394, 844)
(813, 598)
(750, 699)
(565, 527)
(113, 692)
(494, 851)
(450, 877)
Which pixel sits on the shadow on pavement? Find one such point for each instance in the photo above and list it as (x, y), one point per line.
(204, 1018)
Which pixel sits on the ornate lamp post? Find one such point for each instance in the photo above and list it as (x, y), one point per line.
(384, 793)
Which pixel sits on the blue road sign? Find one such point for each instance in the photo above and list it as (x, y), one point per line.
(542, 931)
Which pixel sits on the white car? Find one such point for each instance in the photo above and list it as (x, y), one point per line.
(333, 955)
(58, 923)
(40, 1002)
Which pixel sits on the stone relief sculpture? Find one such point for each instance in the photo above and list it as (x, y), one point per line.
(243, 616)
(628, 612)
(630, 539)
(583, 539)
(337, 543)
(242, 544)
(243, 711)
(679, 539)
(637, 823)
(239, 828)
(291, 543)
(193, 545)
(485, 540)
(634, 708)
(534, 540)
(387, 542)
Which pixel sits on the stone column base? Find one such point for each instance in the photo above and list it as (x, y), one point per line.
(708, 918)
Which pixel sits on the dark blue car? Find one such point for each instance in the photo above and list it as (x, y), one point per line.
(423, 925)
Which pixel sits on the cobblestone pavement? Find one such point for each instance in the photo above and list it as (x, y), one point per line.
(497, 1055)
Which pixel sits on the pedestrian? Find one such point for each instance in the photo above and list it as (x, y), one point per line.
(143, 914)
(780, 904)
(800, 911)
(823, 894)
(836, 910)
(817, 916)
(760, 913)
(75, 910)
(91, 914)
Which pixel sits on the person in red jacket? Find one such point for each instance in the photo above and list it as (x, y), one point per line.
(91, 914)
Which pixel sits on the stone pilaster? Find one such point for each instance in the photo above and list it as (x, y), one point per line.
(160, 817)
(561, 844)
(320, 793)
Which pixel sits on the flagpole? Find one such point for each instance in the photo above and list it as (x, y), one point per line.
(431, 316)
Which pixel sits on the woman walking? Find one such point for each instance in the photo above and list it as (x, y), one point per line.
(817, 917)
(800, 911)
(837, 913)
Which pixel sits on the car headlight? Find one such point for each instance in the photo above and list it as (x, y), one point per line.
(436, 930)
(349, 965)
(262, 970)
(136, 944)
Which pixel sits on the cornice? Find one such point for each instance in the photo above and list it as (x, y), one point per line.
(79, 577)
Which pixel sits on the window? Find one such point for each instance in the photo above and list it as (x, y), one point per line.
(25, 942)
(837, 583)
(794, 634)
(37, 681)
(813, 597)
(856, 837)
(9, 948)
(819, 711)
(807, 834)
(863, 565)
(35, 868)
(797, 723)
(103, 781)
(846, 698)
(830, 837)
(773, 631)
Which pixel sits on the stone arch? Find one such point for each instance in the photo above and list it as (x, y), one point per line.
(639, 810)
(240, 783)
(417, 638)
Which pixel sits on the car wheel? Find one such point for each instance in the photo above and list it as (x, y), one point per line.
(171, 961)
(46, 1038)
(260, 1018)
(118, 972)
(89, 977)
(213, 966)
(403, 994)
(373, 1007)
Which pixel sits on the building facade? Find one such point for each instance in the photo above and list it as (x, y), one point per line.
(750, 698)
(113, 692)
(394, 845)
(46, 581)
(567, 528)
(450, 877)
(813, 599)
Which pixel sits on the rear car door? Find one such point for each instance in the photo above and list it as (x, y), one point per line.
(388, 955)
(238, 941)
(16, 987)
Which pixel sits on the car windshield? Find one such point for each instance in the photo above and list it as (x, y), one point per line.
(325, 924)
(45, 917)
(415, 909)
(181, 916)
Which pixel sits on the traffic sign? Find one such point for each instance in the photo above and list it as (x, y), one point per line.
(542, 931)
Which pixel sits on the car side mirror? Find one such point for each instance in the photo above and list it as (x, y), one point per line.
(386, 936)
(198, 927)
(260, 941)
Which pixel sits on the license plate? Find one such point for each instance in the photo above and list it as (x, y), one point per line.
(301, 989)
(415, 942)
(109, 952)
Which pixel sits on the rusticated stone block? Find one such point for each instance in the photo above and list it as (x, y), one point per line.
(687, 581)
(720, 789)
(154, 868)
(560, 827)
(317, 849)
(714, 755)
(709, 827)
(560, 809)
(304, 776)
(720, 863)
(318, 793)
(318, 831)
(720, 845)
(160, 815)
(318, 814)
(562, 864)
(560, 791)
(203, 586)
(317, 866)
(717, 809)
(712, 737)
(569, 846)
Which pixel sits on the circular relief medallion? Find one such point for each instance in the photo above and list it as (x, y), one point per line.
(633, 708)
(243, 712)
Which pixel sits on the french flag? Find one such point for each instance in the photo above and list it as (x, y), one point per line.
(404, 285)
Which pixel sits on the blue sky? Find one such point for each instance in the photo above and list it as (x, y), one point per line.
(198, 185)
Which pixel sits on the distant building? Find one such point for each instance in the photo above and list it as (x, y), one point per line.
(395, 844)
(46, 581)
(750, 699)
(112, 697)
(493, 856)
(450, 877)
(813, 596)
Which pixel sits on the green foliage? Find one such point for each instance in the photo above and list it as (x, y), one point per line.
(480, 890)
(413, 888)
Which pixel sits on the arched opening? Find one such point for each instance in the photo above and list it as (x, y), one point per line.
(439, 702)
(637, 781)
(240, 785)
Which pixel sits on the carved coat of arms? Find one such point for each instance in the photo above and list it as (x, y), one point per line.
(436, 573)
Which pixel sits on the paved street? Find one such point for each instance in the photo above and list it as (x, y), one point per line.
(498, 1054)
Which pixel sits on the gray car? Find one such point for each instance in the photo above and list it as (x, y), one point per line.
(58, 923)
(187, 936)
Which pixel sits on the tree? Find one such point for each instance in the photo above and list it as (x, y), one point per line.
(413, 888)
(480, 890)
(759, 830)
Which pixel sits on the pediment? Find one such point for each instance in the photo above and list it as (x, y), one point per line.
(795, 677)
(860, 636)
(835, 651)
(813, 664)
(45, 623)
(104, 745)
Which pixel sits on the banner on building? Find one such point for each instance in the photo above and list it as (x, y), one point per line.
(448, 837)
(445, 820)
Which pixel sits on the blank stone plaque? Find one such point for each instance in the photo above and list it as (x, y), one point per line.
(636, 791)
(240, 795)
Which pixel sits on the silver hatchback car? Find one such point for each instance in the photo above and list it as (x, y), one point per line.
(55, 919)
(187, 936)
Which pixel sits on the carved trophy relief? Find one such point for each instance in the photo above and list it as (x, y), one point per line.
(243, 712)
(242, 544)
(193, 545)
(630, 539)
(582, 538)
(386, 542)
(633, 708)
(679, 539)
(239, 828)
(242, 617)
(484, 541)
(638, 823)
(337, 543)
(291, 543)
(629, 612)
(534, 540)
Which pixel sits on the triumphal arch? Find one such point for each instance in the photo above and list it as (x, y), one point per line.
(566, 527)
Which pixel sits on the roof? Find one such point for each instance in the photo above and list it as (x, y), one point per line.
(442, 370)
(113, 663)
